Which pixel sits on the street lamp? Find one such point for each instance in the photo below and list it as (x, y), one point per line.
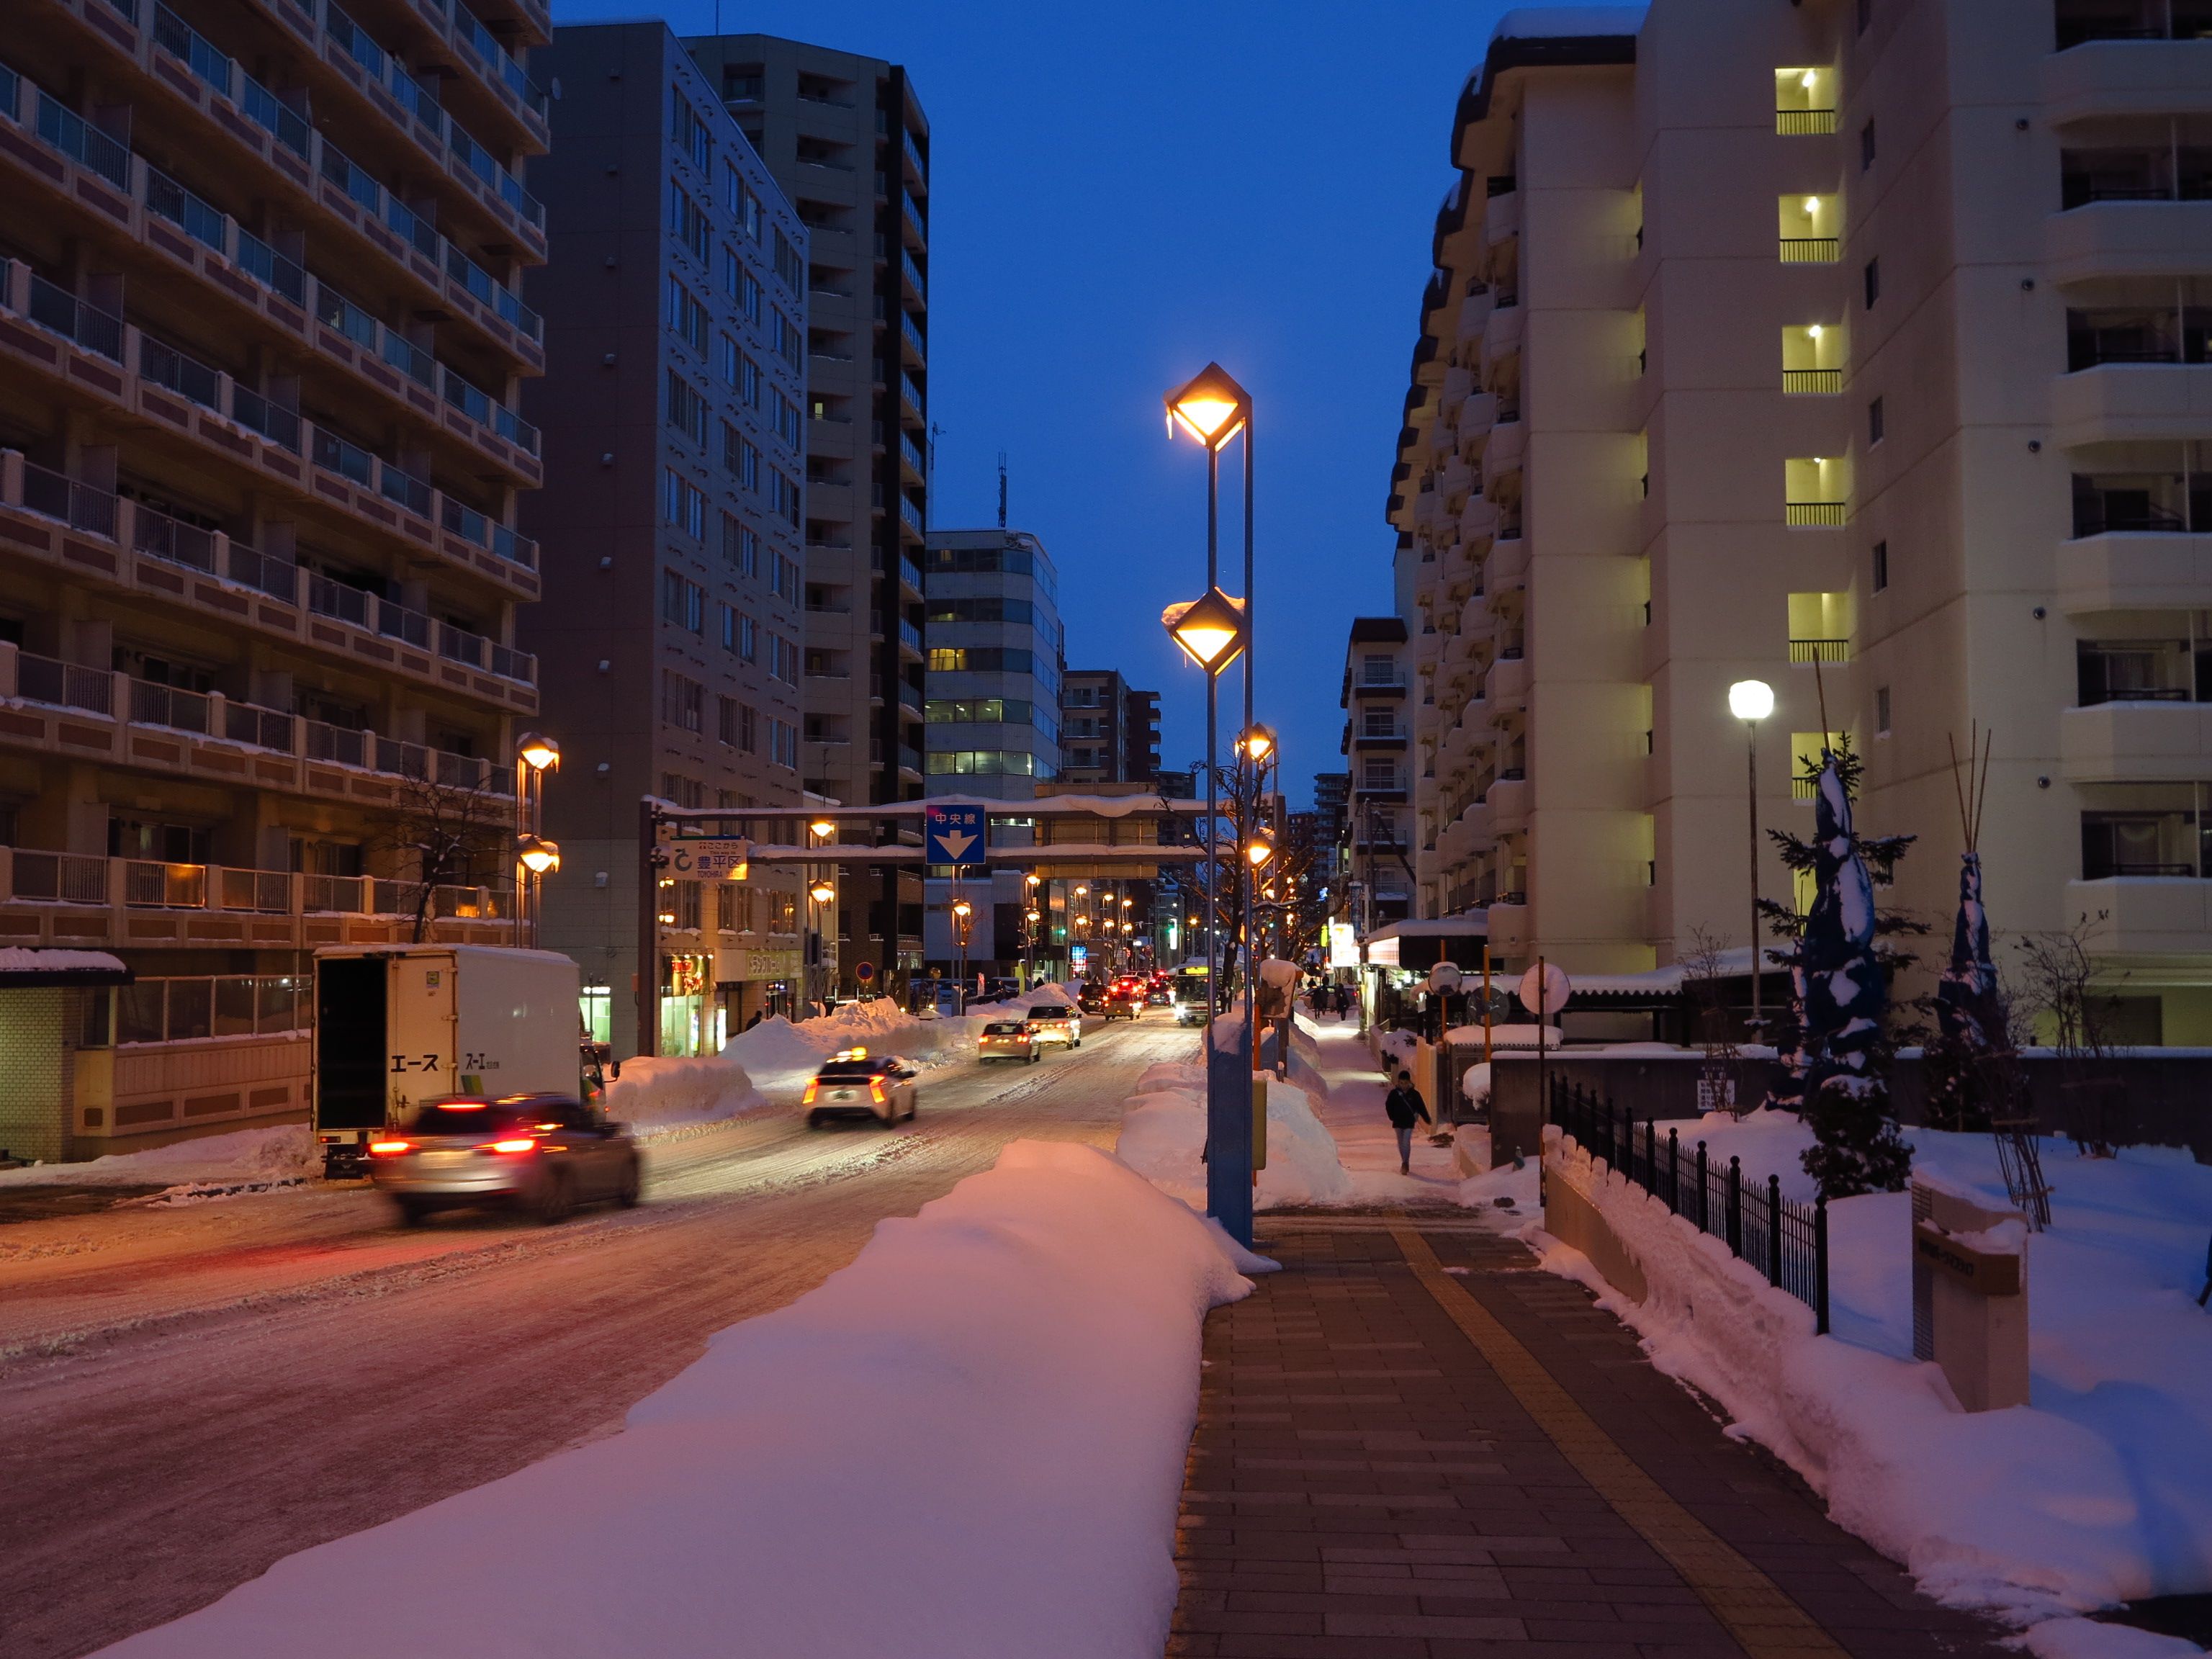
(537, 755)
(822, 829)
(1213, 630)
(1751, 702)
(963, 914)
(537, 855)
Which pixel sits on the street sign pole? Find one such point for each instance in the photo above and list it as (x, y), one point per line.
(647, 997)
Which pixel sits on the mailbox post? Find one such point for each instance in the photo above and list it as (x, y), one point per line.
(1970, 1294)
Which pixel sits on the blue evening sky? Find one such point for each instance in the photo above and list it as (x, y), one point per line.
(1119, 194)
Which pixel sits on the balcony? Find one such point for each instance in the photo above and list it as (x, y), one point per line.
(2081, 23)
(2122, 571)
(174, 223)
(2149, 741)
(1503, 453)
(1501, 336)
(1815, 493)
(1474, 313)
(2133, 238)
(60, 899)
(2141, 504)
(2123, 403)
(127, 547)
(1810, 228)
(917, 289)
(1501, 217)
(2143, 916)
(1804, 101)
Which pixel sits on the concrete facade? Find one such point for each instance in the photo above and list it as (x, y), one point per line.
(1375, 857)
(846, 137)
(676, 312)
(1110, 730)
(1845, 347)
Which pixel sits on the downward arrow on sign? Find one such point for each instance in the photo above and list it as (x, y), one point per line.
(954, 843)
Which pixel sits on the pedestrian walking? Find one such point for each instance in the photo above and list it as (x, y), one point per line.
(1405, 1107)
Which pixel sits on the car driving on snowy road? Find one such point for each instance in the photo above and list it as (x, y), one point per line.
(543, 1153)
(854, 1083)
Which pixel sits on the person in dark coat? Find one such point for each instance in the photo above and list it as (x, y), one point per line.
(1405, 1107)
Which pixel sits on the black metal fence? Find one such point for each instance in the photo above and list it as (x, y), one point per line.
(1786, 1242)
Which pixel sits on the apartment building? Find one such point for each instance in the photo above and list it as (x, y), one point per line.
(992, 695)
(1376, 859)
(675, 308)
(1110, 730)
(846, 138)
(259, 460)
(1850, 346)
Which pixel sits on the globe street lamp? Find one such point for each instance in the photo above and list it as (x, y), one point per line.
(1751, 702)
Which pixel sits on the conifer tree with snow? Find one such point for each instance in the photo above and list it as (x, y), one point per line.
(1838, 1078)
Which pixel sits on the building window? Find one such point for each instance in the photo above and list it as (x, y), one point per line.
(783, 497)
(1881, 566)
(683, 602)
(982, 762)
(687, 408)
(790, 341)
(683, 790)
(740, 458)
(681, 506)
(783, 744)
(782, 659)
(1866, 146)
(1881, 710)
(683, 700)
(1873, 279)
(740, 545)
(1378, 774)
(726, 720)
(788, 266)
(688, 220)
(689, 132)
(726, 358)
(1875, 422)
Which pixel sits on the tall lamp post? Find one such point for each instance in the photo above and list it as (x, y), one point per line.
(1751, 702)
(1213, 630)
(963, 914)
(536, 755)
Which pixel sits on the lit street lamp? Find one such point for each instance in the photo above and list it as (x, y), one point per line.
(1751, 702)
(1213, 630)
(537, 755)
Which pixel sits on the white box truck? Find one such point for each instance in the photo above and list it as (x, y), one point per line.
(396, 1026)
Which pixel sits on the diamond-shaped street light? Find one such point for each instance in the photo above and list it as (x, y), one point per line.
(1211, 407)
(1210, 629)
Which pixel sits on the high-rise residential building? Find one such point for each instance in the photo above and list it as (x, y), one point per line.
(1848, 346)
(676, 309)
(846, 137)
(259, 458)
(994, 644)
(1110, 731)
(992, 695)
(1377, 838)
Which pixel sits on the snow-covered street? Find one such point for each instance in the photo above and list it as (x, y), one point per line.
(199, 1390)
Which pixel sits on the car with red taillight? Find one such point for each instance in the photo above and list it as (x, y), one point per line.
(542, 1153)
(855, 1084)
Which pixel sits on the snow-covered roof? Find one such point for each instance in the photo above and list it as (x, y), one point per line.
(26, 965)
(1468, 924)
(1731, 963)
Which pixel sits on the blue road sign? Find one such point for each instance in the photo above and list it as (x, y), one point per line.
(953, 835)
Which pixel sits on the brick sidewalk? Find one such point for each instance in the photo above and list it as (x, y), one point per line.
(1381, 1471)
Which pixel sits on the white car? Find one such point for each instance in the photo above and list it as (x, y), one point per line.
(1058, 1022)
(853, 1084)
(1007, 1039)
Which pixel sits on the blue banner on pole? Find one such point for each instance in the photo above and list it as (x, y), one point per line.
(954, 835)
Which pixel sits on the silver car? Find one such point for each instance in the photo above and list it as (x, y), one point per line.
(543, 1154)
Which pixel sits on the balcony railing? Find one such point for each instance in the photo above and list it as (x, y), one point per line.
(2136, 19)
(1810, 250)
(61, 129)
(2168, 504)
(1807, 382)
(912, 274)
(1803, 122)
(2157, 173)
(152, 884)
(910, 514)
(1803, 650)
(1827, 513)
(909, 635)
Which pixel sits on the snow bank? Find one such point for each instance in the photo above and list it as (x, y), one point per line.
(279, 1152)
(657, 1094)
(1164, 1135)
(778, 1057)
(971, 1440)
(2099, 1491)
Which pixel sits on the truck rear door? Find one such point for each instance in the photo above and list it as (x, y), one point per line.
(350, 1058)
(422, 1063)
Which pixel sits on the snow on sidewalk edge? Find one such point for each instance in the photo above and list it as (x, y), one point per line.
(970, 1440)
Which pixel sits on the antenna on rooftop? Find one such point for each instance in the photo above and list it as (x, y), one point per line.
(1002, 489)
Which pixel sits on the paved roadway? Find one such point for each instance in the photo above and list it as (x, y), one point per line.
(190, 1394)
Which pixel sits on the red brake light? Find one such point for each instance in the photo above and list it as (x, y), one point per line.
(388, 1148)
(522, 1144)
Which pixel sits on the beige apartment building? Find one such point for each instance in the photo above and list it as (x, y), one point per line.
(1856, 346)
(844, 137)
(260, 341)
